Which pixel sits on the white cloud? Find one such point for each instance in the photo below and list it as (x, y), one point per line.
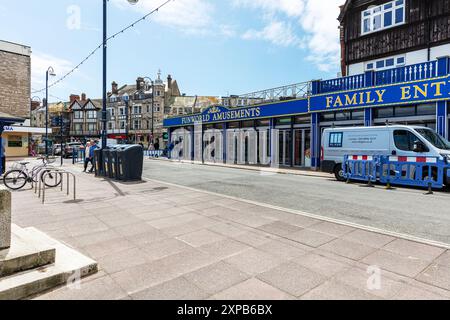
(316, 19)
(190, 16)
(320, 22)
(278, 32)
(291, 8)
(40, 63)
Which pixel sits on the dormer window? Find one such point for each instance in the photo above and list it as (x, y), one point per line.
(385, 16)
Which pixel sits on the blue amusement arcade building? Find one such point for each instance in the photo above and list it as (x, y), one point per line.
(395, 68)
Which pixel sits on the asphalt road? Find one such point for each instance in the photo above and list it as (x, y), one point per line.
(406, 211)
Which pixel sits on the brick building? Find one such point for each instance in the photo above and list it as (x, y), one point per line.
(15, 79)
(136, 123)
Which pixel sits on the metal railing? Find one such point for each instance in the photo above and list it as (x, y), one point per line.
(293, 91)
(341, 84)
(41, 186)
(85, 133)
(420, 71)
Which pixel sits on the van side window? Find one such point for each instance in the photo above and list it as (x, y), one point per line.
(336, 139)
(404, 140)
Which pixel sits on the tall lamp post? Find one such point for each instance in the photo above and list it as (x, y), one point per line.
(153, 107)
(105, 95)
(126, 99)
(50, 72)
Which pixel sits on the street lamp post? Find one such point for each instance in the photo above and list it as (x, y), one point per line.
(126, 99)
(153, 108)
(105, 95)
(50, 72)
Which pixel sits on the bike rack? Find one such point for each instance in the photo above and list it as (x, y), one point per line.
(35, 184)
(43, 186)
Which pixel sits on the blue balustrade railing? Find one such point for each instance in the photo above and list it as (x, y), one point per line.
(420, 71)
(342, 84)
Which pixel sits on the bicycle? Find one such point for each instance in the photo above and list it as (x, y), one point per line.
(16, 179)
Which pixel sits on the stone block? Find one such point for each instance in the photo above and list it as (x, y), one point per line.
(5, 218)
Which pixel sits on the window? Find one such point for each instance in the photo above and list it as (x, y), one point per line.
(336, 139)
(137, 124)
(122, 111)
(92, 114)
(78, 115)
(426, 109)
(15, 142)
(384, 112)
(380, 64)
(137, 109)
(406, 111)
(110, 125)
(92, 127)
(404, 140)
(78, 127)
(390, 62)
(283, 121)
(381, 17)
(435, 139)
(122, 125)
(387, 63)
(303, 120)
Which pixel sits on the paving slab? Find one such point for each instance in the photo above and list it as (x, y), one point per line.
(252, 289)
(254, 261)
(311, 238)
(176, 289)
(394, 262)
(157, 241)
(217, 277)
(292, 278)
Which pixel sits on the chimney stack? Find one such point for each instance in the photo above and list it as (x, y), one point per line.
(169, 81)
(139, 82)
(83, 97)
(114, 88)
(73, 98)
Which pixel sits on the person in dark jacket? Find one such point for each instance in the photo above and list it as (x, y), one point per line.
(92, 148)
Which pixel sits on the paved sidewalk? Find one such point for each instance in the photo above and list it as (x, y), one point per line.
(155, 241)
(281, 170)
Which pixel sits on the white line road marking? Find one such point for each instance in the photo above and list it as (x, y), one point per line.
(314, 216)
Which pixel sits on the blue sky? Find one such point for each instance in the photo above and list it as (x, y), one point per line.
(211, 47)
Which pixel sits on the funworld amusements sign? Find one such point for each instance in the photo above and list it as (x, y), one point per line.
(222, 114)
(422, 91)
(405, 93)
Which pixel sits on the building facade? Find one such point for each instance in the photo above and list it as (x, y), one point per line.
(392, 79)
(15, 79)
(84, 116)
(136, 112)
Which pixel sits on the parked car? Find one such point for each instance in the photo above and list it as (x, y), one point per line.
(391, 140)
(70, 148)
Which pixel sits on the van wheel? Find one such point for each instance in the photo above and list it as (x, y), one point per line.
(339, 173)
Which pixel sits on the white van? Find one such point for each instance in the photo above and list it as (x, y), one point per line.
(390, 140)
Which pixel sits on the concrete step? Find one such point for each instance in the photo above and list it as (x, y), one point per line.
(69, 266)
(25, 253)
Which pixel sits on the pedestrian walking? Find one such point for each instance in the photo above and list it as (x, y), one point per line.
(93, 146)
(87, 158)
